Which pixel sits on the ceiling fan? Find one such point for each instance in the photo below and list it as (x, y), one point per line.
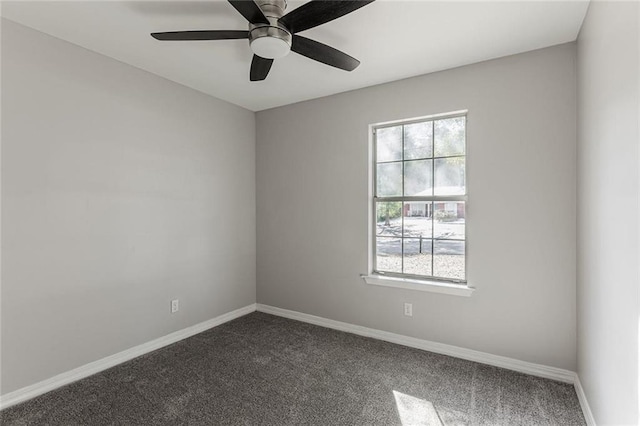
(272, 34)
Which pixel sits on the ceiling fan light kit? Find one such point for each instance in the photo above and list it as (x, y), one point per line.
(268, 45)
(272, 35)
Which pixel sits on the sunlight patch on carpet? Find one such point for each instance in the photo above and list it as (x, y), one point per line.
(415, 411)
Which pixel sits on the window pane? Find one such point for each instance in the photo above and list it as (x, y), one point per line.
(448, 259)
(388, 219)
(449, 220)
(449, 176)
(418, 140)
(417, 177)
(389, 254)
(389, 144)
(417, 256)
(389, 179)
(417, 219)
(449, 137)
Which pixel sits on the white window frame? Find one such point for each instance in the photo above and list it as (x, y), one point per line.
(408, 281)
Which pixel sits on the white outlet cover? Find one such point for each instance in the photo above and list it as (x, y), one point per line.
(408, 309)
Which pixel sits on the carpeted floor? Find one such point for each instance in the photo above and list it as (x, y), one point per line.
(265, 370)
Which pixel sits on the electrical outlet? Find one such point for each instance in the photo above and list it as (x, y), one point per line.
(408, 309)
(174, 306)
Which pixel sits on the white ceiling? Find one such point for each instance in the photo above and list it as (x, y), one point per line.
(393, 40)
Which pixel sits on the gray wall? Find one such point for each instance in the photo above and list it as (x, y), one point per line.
(312, 207)
(120, 191)
(608, 210)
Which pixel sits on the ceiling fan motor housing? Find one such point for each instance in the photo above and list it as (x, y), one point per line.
(273, 40)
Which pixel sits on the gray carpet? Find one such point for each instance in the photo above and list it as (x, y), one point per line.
(265, 370)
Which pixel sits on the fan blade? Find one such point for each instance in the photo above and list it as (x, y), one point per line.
(317, 12)
(200, 35)
(323, 53)
(259, 68)
(250, 10)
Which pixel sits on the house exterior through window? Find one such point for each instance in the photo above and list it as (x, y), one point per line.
(419, 202)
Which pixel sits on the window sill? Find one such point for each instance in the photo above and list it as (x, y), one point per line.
(421, 285)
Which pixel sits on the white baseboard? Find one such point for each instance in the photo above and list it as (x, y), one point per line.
(86, 370)
(455, 351)
(584, 404)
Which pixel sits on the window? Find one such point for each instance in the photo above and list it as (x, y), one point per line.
(419, 204)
